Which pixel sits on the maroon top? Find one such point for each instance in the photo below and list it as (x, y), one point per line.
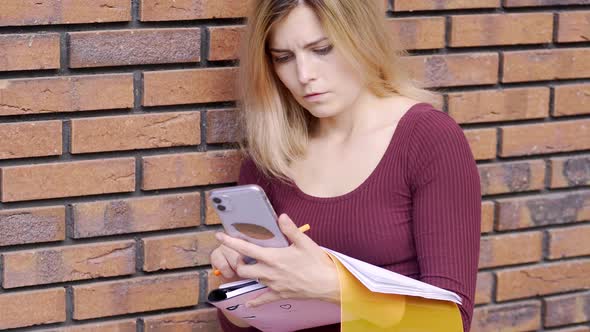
(417, 214)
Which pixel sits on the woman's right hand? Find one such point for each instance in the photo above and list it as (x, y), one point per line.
(226, 261)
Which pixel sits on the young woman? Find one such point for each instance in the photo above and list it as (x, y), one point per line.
(338, 136)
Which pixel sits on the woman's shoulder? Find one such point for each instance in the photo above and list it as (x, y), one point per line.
(431, 126)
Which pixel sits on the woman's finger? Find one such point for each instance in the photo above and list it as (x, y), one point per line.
(220, 262)
(242, 247)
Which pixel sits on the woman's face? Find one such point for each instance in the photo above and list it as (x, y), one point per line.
(307, 63)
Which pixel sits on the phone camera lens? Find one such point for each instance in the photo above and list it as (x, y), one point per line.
(221, 207)
(217, 200)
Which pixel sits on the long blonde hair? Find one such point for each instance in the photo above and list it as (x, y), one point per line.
(273, 125)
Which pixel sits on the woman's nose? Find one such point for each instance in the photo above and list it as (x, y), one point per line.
(305, 70)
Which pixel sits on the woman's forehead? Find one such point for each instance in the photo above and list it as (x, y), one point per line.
(299, 28)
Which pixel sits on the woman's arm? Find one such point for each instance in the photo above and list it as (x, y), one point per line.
(446, 207)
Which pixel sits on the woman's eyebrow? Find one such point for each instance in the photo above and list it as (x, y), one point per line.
(306, 46)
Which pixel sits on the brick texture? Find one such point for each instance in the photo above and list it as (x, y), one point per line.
(190, 169)
(572, 99)
(136, 215)
(136, 132)
(411, 5)
(520, 66)
(171, 10)
(499, 250)
(543, 210)
(118, 118)
(135, 47)
(545, 138)
(45, 266)
(195, 320)
(567, 309)
(177, 251)
(543, 279)
(22, 226)
(34, 12)
(42, 307)
(512, 177)
(29, 51)
(136, 295)
(499, 105)
(65, 94)
(501, 29)
(32, 139)
(570, 171)
(419, 33)
(21, 183)
(519, 316)
(569, 242)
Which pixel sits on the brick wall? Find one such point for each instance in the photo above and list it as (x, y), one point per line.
(116, 119)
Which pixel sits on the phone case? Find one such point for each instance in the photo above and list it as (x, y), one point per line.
(246, 213)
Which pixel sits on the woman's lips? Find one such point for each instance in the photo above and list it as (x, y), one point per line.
(314, 96)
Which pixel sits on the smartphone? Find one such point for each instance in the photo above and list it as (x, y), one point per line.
(246, 213)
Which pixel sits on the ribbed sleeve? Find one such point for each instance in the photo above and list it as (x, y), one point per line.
(447, 207)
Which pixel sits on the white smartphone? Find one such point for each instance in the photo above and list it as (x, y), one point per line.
(246, 213)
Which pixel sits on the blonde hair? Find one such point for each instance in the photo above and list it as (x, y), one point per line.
(273, 125)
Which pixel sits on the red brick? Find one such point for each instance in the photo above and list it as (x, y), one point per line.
(134, 132)
(483, 290)
(225, 42)
(190, 169)
(411, 5)
(32, 308)
(501, 29)
(134, 47)
(540, 65)
(135, 295)
(222, 126)
(211, 217)
(499, 105)
(538, 3)
(136, 215)
(453, 70)
(194, 320)
(34, 12)
(543, 210)
(46, 266)
(569, 242)
(519, 316)
(570, 171)
(487, 216)
(499, 250)
(567, 309)
(29, 51)
(66, 94)
(80, 178)
(174, 10)
(573, 329)
(176, 251)
(21, 226)
(572, 99)
(418, 32)
(510, 177)
(30, 139)
(574, 27)
(482, 142)
(543, 279)
(128, 325)
(533, 139)
(189, 86)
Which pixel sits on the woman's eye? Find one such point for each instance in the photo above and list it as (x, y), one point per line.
(323, 51)
(281, 59)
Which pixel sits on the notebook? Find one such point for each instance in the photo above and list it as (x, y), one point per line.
(293, 314)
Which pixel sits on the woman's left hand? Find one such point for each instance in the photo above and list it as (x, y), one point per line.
(303, 270)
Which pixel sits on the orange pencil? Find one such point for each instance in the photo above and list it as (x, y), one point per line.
(303, 229)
